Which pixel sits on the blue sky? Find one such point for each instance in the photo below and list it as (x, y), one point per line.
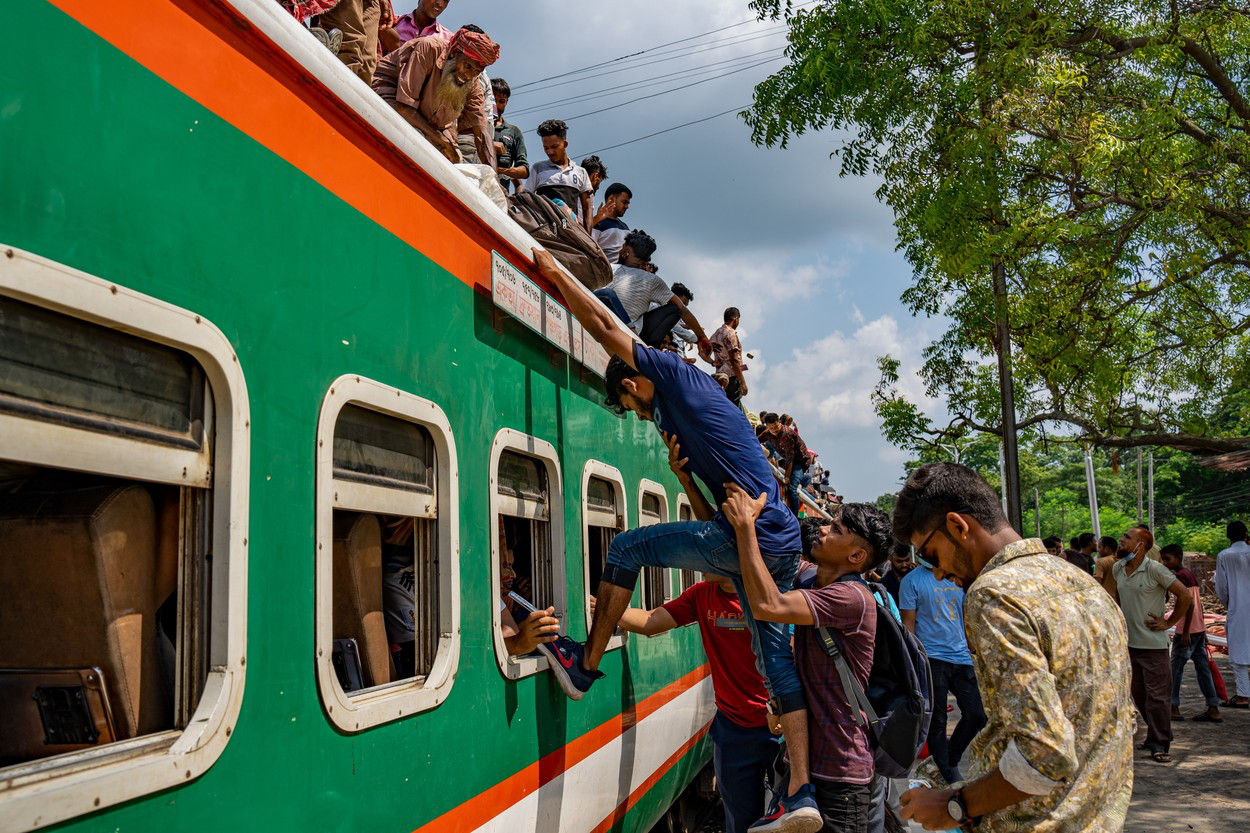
(807, 256)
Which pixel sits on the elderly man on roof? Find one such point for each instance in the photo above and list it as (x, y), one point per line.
(432, 83)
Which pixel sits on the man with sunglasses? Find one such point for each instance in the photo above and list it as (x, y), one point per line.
(1051, 655)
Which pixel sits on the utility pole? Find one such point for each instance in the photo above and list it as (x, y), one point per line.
(1063, 521)
(1002, 475)
(1092, 488)
(1002, 345)
(1037, 511)
(1151, 522)
(1139, 506)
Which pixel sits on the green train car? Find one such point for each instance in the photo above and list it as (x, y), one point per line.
(251, 367)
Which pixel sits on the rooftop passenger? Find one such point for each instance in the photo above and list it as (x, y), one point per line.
(558, 176)
(359, 21)
(719, 448)
(634, 289)
(609, 229)
(794, 457)
(727, 354)
(421, 22)
(466, 139)
(432, 83)
(597, 171)
(510, 157)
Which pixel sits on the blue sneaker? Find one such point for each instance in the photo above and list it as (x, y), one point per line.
(796, 814)
(565, 657)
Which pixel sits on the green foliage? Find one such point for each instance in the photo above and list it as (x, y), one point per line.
(1099, 150)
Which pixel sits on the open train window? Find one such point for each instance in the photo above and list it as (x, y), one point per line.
(653, 509)
(123, 468)
(603, 516)
(685, 578)
(527, 531)
(387, 575)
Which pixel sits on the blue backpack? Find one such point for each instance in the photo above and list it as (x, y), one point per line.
(898, 704)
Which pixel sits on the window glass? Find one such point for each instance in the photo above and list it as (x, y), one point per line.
(601, 494)
(68, 370)
(651, 504)
(522, 477)
(371, 447)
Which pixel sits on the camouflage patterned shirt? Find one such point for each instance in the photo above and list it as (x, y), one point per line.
(1051, 654)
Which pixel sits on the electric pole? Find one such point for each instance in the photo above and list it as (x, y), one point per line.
(1139, 506)
(1037, 511)
(1092, 488)
(1002, 345)
(1151, 522)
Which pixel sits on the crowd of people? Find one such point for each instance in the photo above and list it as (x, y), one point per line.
(1050, 665)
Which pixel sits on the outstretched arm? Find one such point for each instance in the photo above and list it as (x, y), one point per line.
(598, 321)
(768, 604)
(687, 317)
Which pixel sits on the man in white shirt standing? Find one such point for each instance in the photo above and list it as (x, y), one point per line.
(1232, 585)
(559, 177)
(609, 230)
(634, 289)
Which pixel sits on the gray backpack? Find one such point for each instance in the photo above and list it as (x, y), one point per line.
(566, 239)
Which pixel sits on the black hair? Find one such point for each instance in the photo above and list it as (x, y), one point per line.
(1052, 541)
(731, 313)
(472, 27)
(593, 164)
(759, 429)
(1173, 549)
(498, 86)
(616, 188)
(862, 519)
(871, 524)
(769, 419)
(935, 489)
(642, 244)
(553, 127)
(1084, 540)
(1236, 531)
(1108, 541)
(680, 290)
(618, 371)
(1072, 545)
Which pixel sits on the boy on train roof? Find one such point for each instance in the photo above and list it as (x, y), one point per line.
(719, 446)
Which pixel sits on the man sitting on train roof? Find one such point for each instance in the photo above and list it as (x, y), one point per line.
(719, 448)
(433, 83)
(558, 176)
(634, 289)
(421, 22)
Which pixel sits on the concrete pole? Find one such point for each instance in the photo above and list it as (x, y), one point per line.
(1093, 494)
(1151, 522)
(1037, 511)
(1139, 495)
(1002, 479)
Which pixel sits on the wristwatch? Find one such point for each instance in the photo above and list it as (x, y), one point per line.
(957, 809)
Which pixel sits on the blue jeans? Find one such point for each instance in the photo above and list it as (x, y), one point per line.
(876, 811)
(1197, 651)
(961, 681)
(799, 479)
(613, 302)
(742, 759)
(707, 547)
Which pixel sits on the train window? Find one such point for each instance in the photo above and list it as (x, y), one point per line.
(527, 532)
(123, 472)
(387, 575)
(685, 578)
(603, 516)
(653, 509)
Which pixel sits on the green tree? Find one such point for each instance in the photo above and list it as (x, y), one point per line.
(1098, 152)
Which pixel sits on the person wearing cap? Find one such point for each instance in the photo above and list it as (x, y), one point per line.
(433, 83)
(719, 448)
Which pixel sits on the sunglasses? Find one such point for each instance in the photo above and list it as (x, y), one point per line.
(927, 560)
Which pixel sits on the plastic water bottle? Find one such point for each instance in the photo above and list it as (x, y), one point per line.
(919, 783)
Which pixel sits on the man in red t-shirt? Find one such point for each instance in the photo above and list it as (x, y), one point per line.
(1190, 642)
(743, 749)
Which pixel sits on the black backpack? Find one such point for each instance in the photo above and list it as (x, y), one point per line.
(898, 704)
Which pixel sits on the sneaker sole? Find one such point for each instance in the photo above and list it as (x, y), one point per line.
(806, 820)
(562, 676)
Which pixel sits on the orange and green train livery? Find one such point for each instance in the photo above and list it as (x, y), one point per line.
(253, 384)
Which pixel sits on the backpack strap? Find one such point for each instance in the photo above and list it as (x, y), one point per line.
(856, 697)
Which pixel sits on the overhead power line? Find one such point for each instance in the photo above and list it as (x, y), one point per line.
(630, 67)
(648, 50)
(638, 85)
(666, 130)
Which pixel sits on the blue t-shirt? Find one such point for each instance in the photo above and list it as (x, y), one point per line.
(939, 607)
(720, 443)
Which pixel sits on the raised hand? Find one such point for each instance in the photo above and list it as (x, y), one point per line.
(741, 510)
(675, 461)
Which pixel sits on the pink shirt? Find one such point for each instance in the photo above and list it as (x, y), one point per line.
(407, 29)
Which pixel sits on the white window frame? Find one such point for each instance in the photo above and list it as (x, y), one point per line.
(514, 668)
(682, 500)
(653, 488)
(362, 710)
(55, 789)
(613, 476)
